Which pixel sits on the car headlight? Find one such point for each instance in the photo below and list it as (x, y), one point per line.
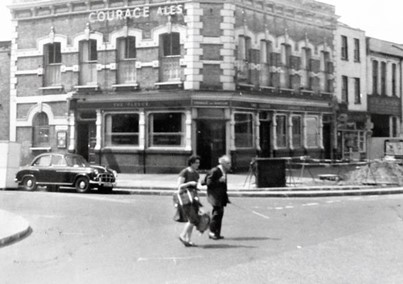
(96, 171)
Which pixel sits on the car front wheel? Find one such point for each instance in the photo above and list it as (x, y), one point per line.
(82, 185)
(29, 183)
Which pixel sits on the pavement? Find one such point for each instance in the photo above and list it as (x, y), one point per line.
(298, 184)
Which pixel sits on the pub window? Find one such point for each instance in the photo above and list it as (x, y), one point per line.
(40, 130)
(167, 129)
(344, 48)
(357, 91)
(344, 89)
(53, 60)
(375, 77)
(170, 44)
(383, 78)
(281, 131)
(356, 50)
(243, 130)
(312, 131)
(307, 59)
(394, 93)
(121, 129)
(394, 126)
(296, 132)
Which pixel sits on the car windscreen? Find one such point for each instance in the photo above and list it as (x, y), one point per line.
(76, 161)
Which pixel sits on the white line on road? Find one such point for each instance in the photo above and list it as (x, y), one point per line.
(261, 215)
(173, 258)
(310, 204)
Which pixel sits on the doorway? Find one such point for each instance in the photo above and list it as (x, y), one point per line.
(210, 141)
(86, 140)
(265, 138)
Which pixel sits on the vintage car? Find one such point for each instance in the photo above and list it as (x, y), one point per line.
(55, 170)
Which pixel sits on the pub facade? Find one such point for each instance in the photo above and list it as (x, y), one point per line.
(141, 85)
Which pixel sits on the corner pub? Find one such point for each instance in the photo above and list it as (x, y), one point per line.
(140, 85)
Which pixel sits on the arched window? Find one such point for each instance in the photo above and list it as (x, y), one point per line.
(40, 130)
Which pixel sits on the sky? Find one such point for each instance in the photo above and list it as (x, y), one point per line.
(382, 19)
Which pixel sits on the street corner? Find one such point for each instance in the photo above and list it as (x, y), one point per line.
(13, 228)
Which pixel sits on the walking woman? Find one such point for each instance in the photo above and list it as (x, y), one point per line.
(188, 180)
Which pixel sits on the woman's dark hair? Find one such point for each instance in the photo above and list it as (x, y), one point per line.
(193, 159)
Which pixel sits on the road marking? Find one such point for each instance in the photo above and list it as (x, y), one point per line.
(173, 258)
(278, 208)
(310, 204)
(261, 215)
(289, 207)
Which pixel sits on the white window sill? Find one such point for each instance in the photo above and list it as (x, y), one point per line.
(125, 86)
(41, 149)
(169, 83)
(56, 87)
(87, 87)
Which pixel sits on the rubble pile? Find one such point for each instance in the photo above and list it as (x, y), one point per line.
(376, 172)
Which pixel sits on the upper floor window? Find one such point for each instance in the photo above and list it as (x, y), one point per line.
(307, 57)
(344, 48)
(53, 60)
(394, 92)
(244, 46)
(122, 129)
(356, 50)
(357, 91)
(126, 54)
(286, 55)
(40, 130)
(88, 62)
(126, 47)
(170, 44)
(266, 49)
(243, 130)
(344, 89)
(375, 77)
(383, 78)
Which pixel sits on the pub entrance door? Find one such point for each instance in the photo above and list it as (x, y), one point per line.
(210, 142)
(86, 140)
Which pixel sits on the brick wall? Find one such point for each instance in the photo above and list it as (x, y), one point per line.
(4, 90)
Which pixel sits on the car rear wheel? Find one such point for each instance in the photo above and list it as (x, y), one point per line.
(82, 185)
(29, 183)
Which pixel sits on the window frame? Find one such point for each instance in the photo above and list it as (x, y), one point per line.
(40, 130)
(356, 50)
(129, 48)
(383, 78)
(317, 133)
(295, 136)
(281, 135)
(344, 89)
(250, 130)
(375, 76)
(357, 91)
(344, 48)
(109, 132)
(151, 134)
(170, 46)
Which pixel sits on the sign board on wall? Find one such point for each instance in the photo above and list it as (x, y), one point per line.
(394, 147)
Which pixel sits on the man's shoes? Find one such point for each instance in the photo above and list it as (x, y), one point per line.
(185, 243)
(214, 237)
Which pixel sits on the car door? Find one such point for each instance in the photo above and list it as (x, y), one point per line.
(42, 169)
(60, 170)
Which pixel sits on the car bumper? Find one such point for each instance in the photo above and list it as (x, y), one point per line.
(102, 183)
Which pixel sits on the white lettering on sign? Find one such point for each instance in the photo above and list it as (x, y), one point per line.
(135, 13)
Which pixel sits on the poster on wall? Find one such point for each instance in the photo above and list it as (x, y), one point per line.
(394, 148)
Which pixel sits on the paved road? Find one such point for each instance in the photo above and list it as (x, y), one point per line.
(123, 238)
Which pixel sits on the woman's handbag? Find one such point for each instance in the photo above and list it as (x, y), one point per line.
(184, 198)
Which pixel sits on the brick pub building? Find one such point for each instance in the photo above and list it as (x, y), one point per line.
(142, 84)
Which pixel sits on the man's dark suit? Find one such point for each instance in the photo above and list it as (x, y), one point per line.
(217, 196)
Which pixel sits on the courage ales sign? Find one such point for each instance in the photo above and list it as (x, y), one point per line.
(133, 13)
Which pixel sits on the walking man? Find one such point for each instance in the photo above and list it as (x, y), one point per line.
(217, 195)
